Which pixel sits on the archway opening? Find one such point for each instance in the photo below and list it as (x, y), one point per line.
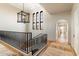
(62, 31)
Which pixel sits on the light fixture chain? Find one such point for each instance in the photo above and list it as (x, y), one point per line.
(23, 6)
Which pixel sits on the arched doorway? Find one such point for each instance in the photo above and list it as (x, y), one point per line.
(62, 31)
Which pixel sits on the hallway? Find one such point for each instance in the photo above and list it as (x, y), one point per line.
(30, 30)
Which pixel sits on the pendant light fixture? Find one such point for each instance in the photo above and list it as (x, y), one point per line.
(22, 16)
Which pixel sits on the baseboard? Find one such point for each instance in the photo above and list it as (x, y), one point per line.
(77, 54)
(75, 51)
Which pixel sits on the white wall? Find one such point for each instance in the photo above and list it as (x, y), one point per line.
(49, 25)
(8, 19)
(75, 28)
(55, 18)
(46, 16)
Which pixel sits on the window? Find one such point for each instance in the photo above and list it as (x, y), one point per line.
(33, 22)
(37, 22)
(41, 20)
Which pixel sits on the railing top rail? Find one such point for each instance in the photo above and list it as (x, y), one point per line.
(39, 35)
(15, 31)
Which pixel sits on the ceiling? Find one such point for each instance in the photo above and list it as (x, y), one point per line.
(54, 8)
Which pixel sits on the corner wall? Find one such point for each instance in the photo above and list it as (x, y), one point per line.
(75, 28)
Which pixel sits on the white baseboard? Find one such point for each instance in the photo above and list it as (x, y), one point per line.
(76, 52)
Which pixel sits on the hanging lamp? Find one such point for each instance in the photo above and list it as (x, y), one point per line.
(22, 16)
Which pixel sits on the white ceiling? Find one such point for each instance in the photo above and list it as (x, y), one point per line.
(20, 6)
(54, 8)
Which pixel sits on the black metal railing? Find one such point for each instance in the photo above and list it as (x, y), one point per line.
(19, 40)
(38, 42)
